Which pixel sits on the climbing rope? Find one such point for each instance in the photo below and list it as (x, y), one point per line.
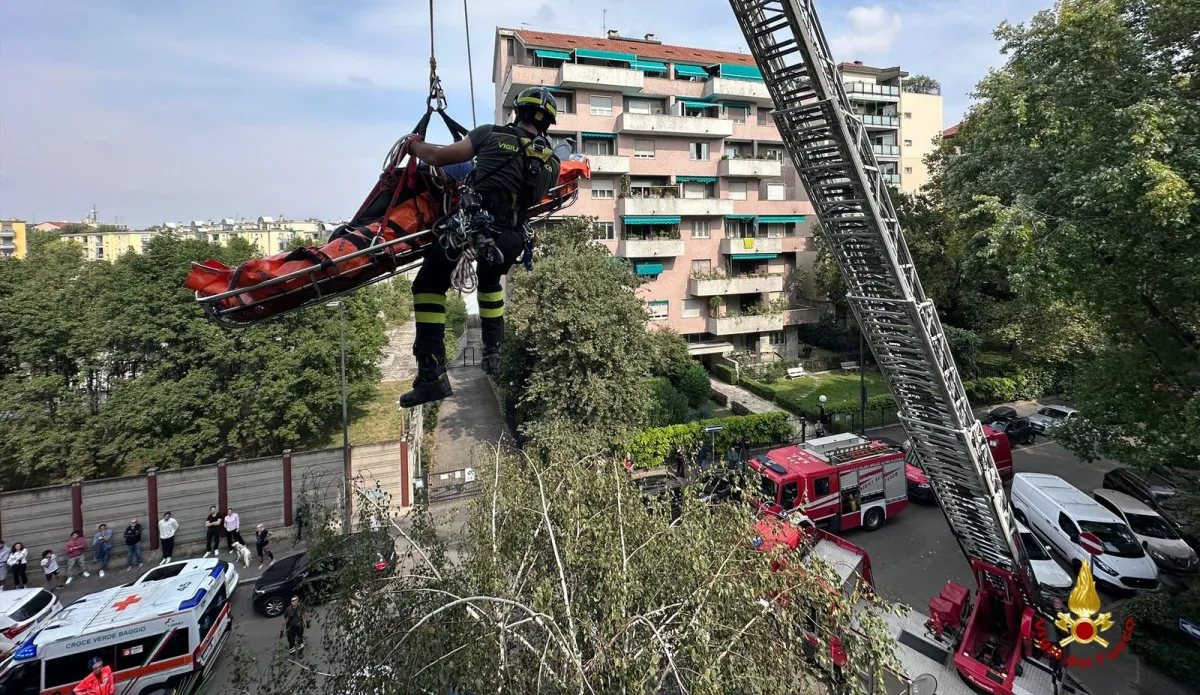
(436, 101)
(470, 68)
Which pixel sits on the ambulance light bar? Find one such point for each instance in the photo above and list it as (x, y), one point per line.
(193, 601)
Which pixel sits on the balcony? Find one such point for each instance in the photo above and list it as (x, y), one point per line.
(744, 90)
(732, 325)
(735, 285)
(575, 75)
(650, 248)
(674, 207)
(752, 168)
(877, 122)
(795, 317)
(865, 91)
(523, 76)
(756, 245)
(715, 347)
(886, 151)
(608, 164)
(891, 179)
(663, 124)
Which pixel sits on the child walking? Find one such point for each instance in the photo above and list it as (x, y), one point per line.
(262, 543)
(50, 567)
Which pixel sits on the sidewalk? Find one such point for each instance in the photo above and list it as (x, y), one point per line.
(468, 418)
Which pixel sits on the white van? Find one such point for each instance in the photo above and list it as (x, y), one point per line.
(153, 635)
(1059, 512)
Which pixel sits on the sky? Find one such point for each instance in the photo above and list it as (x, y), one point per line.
(158, 112)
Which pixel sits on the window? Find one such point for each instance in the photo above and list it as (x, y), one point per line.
(606, 231)
(658, 310)
(821, 487)
(639, 106)
(598, 147)
(908, 143)
(908, 170)
(1068, 526)
(601, 106)
(764, 116)
(643, 149)
(701, 265)
(135, 653)
(737, 190)
(790, 492)
(564, 102)
(208, 618)
(695, 190)
(776, 191)
(771, 153)
(602, 189)
(775, 338)
(701, 230)
(72, 668)
(699, 151)
(32, 607)
(22, 678)
(508, 46)
(693, 307)
(176, 645)
(908, 114)
(737, 114)
(739, 229)
(774, 231)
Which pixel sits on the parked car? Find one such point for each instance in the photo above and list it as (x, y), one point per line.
(1018, 430)
(1157, 536)
(22, 613)
(1052, 417)
(1060, 513)
(317, 578)
(1147, 492)
(1054, 582)
(1001, 413)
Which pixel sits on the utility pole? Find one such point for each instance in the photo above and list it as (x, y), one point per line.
(862, 388)
(346, 487)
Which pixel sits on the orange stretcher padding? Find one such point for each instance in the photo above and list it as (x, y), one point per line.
(412, 216)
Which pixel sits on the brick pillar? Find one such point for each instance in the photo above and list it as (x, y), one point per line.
(222, 488)
(405, 478)
(77, 506)
(287, 487)
(152, 504)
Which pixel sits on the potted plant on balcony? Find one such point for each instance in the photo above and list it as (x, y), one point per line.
(626, 184)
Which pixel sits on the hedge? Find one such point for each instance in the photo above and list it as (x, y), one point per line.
(1025, 384)
(758, 388)
(652, 447)
(725, 373)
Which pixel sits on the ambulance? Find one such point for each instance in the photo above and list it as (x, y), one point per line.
(156, 635)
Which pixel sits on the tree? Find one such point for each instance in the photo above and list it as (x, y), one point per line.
(964, 346)
(568, 580)
(693, 384)
(1085, 183)
(576, 346)
(922, 84)
(667, 405)
(668, 354)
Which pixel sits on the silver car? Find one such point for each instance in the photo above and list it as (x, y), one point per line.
(1158, 537)
(1050, 417)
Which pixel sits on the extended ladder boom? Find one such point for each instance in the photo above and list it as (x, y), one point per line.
(833, 156)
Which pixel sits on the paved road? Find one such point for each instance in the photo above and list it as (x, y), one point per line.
(915, 554)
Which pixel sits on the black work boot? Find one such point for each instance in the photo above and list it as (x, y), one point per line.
(491, 361)
(431, 383)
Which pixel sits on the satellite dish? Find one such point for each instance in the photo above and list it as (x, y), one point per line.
(924, 684)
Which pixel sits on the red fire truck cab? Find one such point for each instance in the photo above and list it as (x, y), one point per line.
(841, 482)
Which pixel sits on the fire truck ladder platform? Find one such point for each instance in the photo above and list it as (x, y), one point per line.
(833, 155)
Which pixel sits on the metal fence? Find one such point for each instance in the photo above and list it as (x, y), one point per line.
(871, 418)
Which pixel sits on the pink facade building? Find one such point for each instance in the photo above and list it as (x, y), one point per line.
(690, 181)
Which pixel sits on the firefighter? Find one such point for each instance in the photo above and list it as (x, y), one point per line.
(514, 166)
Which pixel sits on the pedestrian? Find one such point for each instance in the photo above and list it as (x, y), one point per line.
(17, 563)
(299, 524)
(99, 682)
(166, 533)
(732, 460)
(212, 531)
(745, 448)
(50, 567)
(293, 625)
(232, 523)
(102, 546)
(133, 544)
(5, 552)
(262, 543)
(76, 549)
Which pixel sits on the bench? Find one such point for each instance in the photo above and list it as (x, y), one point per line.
(795, 372)
(850, 366)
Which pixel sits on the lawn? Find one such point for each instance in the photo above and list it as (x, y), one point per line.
(836, 386)
(380, 419)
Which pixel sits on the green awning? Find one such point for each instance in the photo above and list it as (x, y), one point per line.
(558, 90)
(741, 72)
(696, 104)
(649, 66)
(611, 56)
(599, 136)
(696, 179)
(690, 71)
(780, 219)
(650, 220)
(736, 104)
(557, 55)
(648, 268)
(753, 256)
(739, 217)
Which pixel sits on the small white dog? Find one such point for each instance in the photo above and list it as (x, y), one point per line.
(243, 553)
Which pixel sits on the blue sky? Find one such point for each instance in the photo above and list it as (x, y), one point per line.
(176, 111)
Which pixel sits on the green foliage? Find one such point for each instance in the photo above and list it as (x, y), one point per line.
(668, 354)
(456, 322)
(922, 84)
(965, 347)
(830, 333)
(693, 384)
(758, 388)
(725, 373)
(652, 447)
(667, 405)
(1157, 638)
(112, 368)
(990, 389)
(395, 300)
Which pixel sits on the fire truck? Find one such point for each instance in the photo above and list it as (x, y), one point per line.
(840, 482)
(989, 641)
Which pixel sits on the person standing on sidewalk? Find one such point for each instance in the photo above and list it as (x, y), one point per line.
(17, 563)
(293, 624)
(102, 546)
(50, 567)
(212, 531)
(76, 548)
(166, 533)
(262, 544)
(133, 544)
(232, 523)
(5, 552)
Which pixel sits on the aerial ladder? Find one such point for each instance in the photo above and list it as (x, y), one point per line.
(833, 156)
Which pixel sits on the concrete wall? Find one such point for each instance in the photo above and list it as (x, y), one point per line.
(36, 518)
(255, 492)
(115, 502)
(319, 472)
(187, 494)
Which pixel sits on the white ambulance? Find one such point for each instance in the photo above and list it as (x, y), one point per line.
(155, 635)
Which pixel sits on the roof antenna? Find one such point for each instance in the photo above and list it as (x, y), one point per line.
(605, 15)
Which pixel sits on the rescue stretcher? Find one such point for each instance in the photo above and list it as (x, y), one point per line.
(387, 236)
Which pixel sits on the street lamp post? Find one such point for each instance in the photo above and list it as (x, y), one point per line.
(821, 421)
(862, 390)
(345, 420)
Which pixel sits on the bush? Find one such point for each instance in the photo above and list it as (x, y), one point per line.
(667, 405)
(725, 373)
(692, 382)
(719, 397)
(965, 346)
(1157, 638)
(990, 389)
(758, 388)
(652, 447)
(668, 354)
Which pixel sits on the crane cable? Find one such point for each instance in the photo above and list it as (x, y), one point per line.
(470, 68)
(436, 100)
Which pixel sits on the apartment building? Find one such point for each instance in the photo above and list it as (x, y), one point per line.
(270, 234)
(12, 238)
(690, 181)
(903, 124)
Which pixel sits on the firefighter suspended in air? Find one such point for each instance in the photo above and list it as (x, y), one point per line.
(514, 167)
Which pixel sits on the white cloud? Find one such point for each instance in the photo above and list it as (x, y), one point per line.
(871, 33)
